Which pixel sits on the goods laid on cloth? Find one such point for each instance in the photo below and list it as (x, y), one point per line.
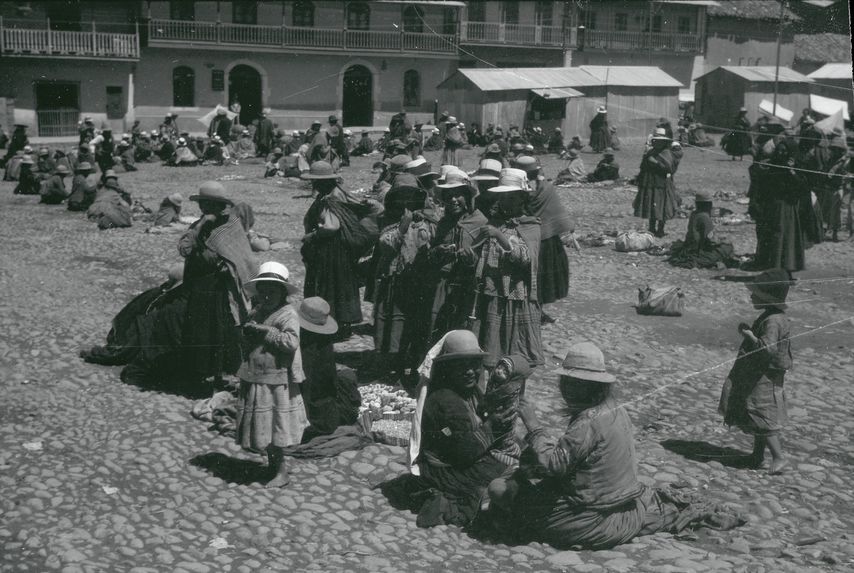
(220, 410)
(387, 412)
(660, 301)
(634, 241)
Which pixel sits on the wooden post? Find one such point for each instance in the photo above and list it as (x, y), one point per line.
(49, 38)
(94, 39)
(777, 64)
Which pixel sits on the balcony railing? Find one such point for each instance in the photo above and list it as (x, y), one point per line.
(36, 38)
(511, 34)
(657, 41)
(178, 31)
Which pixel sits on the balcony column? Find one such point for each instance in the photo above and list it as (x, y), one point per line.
(501, 32)
(49, 38)
(94, 39)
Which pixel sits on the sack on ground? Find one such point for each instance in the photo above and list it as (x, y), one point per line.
(630, 241)
(661, 301)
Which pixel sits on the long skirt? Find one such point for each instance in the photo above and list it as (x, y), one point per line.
(657, 202)
(553, 271)
(450, 156)
(269, 415)
(830, 201)
(782, 244)
(401, 319)
(210, 338)
(689, 257)
(452, 305)
(331, 273)
(508, 327)
(600, 139)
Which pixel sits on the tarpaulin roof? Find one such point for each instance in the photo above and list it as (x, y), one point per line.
(783, 113)
(763, 74)
(641, 76)
(557, 93)
(834, 71)
(828, 106)
(832, 123)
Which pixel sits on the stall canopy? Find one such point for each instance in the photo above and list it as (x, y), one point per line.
(828, 106)
(831, 123)
(767, 106)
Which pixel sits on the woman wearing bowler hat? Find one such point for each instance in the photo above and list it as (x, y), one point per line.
(600, 135)
(588, 494)
(656, 198)
(218, 262)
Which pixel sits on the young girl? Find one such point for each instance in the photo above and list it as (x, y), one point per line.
(757, 402)
(270, 410)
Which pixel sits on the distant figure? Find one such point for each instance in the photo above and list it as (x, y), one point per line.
(365, 145)
(574, 171)
(738, 142)
(220, 125)
(264, 135)
(606, 170)
(600, 135)
(453, 143)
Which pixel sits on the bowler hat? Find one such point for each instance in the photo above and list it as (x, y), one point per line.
(271, 272)
(488, 170)
(585, 361)
(320, 170)
(526, 163)
(459, 344)
(62, 169)
(771, 287)
(212, 191)
(332, 119)
(399, 162)
(703, 197)
(405, 184)
(420, 167)
(314, 316)
(510, 180)
(454, 178)
(84, 166)
(108, 174)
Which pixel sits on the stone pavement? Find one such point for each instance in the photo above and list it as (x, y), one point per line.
(99, 476)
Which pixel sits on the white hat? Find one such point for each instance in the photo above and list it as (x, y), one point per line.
(182, 141)
(461, 124)
(601, 109)
(348, 132)
(295, 133)
(660, 134)
(511, 180)
(273, 272)
(387, 130)
(436, 130)
(451, 119)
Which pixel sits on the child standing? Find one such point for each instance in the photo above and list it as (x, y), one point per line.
(757, 402)
(270, 410)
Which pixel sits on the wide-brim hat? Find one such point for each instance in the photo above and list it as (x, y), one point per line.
(27, 160)
(314, 316)
(221, 111)
(488, 170)
(332, 118)
(176, 199)
(660, 134)
(771, 287)
(493, 148)
(584, 361)
(526, 163)
(271, 272)
(44, 151)
(703, 197)
(320, 170)
(405, 183)
(212, 191)
(459, 344)
(62, 169)
(420, 167)
(454, 178)
(601, 109)
(398, 163)
(511, 179)
(83, 166)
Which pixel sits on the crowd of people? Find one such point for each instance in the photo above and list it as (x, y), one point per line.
(458, 267)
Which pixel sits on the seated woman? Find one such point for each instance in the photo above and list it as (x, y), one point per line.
(169, 211)
(574, 172)
(183, 156)
(451, 446)
(606, 170)
(588, 494)
(111, 208)
(699, 250)
(27, 182)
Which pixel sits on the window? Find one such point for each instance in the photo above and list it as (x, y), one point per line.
(411, 89)
(181, 10)
(413, 19)
(449, 21)
(477, 11)
(621, 22)
(358, 16)
(183, 87)
(683, 25)
(510, 12)
(303, 15)
(544, 109)
(244, 12)
(544, 13)
(587, 19)
(656, 23)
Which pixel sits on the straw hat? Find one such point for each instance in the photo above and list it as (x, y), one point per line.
(703, 197)
(601, 109)
(451, 119)
(271, 272)
(44, 151)
(526, 163)
(176, 199)
(405, 184)
(510, 180)
(84, 166)
(28, 149)
(398, 163)
(62, 169)
(493, 148)
(459, 344)
(517, 147)
(420, 167)
(584, 361)
(454, 178)
(320, 170)
(220, 111)
(488, 170)
(212, 191)
(314, 316)
(27, 160)
(660, 134)
(771, 287)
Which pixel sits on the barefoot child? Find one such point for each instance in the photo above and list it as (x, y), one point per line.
(270, 411)
(757, 402)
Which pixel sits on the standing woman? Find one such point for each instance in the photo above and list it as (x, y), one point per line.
(453, 143)
(507, 311)
(553, 265)
(656, 199)
(788, 194)
(600, 135)
(453, 254)
(333, 242)
(218, 261)
(400, 323)
(739, 142)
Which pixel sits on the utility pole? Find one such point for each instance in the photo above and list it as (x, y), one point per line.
(649, 34)
(777, 67)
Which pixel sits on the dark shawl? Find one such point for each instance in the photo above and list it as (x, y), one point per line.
(545, 204)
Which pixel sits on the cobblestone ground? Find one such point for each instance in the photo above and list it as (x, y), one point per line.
(99, 476)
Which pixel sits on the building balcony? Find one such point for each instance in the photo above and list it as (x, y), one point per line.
(521, 35)
(173, 33)
(92, 41)
(630, 41)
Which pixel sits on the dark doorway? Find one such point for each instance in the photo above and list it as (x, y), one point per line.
(57, 108)
(244, 87)
(358, 104)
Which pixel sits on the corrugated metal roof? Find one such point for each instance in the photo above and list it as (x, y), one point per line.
(763, 74)
(503, 79)
(640, 76)
(557, 93)
(832, 72)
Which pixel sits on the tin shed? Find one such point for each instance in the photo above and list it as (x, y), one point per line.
(833, 81)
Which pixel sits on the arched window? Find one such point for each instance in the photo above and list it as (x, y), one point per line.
(411, 88)
(303, 14)
(358, 16)
(183, 87)
(413, 19)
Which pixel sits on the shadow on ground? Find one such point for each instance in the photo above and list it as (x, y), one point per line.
(705, 452)
(232, 470)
